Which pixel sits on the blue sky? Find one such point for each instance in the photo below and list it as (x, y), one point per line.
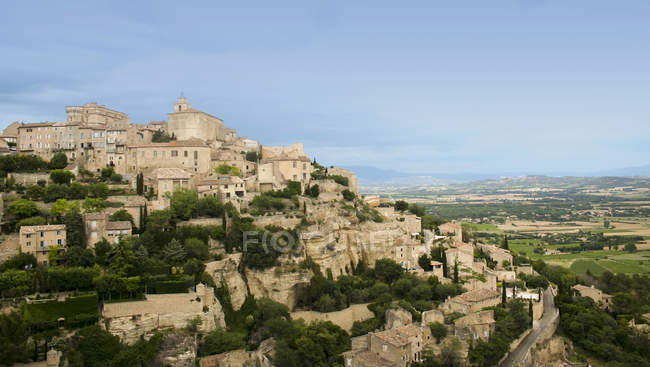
(417, 86)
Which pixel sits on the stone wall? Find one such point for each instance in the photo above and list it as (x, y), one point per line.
(131, 320)
(27, 179)
(344, 318)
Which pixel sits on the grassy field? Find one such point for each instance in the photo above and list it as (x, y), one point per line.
(634, 263)
(52, 310)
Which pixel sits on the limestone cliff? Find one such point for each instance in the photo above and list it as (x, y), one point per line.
(278, 285)
(227, 270)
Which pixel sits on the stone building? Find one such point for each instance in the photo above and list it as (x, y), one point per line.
(454, 230)
(39, 240)
(477, 325)
(233, 158)
(169, 180)
(599, 297)
(190, 155)
(472, 301)
(399, 346)
(188, 123)
(223, 187)
(10, 133)
(98, 227)
(461, 252)
(408, 251)
(501, 256)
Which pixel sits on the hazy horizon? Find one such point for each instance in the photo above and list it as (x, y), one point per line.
(482, 87)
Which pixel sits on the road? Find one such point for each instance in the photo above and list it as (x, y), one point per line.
(545, 322)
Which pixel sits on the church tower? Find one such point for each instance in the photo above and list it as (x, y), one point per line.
(181, 104)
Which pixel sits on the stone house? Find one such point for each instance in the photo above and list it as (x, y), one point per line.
(223, 187)
(169, 180)
(39, 240)
(438, 271)
(599, 297)
(408, 251)
(497, 254)
(98, 226)
(477, 325)
(454, 230)
(232, 158)
(10, 133)
(461, 252)
(472, 301)
(400, 345)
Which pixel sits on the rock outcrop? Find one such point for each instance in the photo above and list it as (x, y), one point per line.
(344, 318)
(262, 357)
(273, 283)
(176, 350)
(226, 270)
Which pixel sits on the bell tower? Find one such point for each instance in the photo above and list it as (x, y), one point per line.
(181, 104)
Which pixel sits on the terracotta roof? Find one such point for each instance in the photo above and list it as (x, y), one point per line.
(49, 227)
(166, 173)
(35, 124)
(122, 224)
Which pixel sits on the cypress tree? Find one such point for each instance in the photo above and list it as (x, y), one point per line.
(504, 298)
(456, 271)
(530, 310)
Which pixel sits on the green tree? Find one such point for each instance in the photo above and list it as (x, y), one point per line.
(438, 331)
(630, 247)
(62, 206)
(139, 184)
(416, 209)
(504, 242)
(174, 253)
(98, 190)
(401, 205)
(196, 249)
(23, 208)
(313, 191)
(13, 339)
(61, 176)
(425, 262)
(121, 215)
(221, 341)
(388, 270)
(348, 195)
(31, 221)
(58, 161)
(94, 205)
(74, 227)
(184, 203)
(78, 256)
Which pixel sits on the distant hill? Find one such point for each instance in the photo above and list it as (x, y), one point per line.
(369, 175)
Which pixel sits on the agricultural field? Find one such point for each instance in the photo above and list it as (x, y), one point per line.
(585, 224)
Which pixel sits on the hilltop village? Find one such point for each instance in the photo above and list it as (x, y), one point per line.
(178, 241)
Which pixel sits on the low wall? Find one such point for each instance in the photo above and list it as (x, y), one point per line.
(30, 178)
(344, 318)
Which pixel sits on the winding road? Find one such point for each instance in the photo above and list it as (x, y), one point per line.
(550, 313)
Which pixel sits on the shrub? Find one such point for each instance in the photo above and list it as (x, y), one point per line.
(58, 161)
(348, 195)
(23, 208)
(61, 176)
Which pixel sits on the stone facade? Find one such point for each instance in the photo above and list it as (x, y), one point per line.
(477, 325)
(599, 297)
(472, 301)
(39, 240)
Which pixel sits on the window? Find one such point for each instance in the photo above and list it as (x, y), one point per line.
(174, 153)
(58, 233)
(295, 164)
(304, 166)
(28, 235)
(42, 234)
(155, 153)
(28, 243)
(142, 155)
(196, 154)
(165, 186)
(43, 243)
(185, 154)
(295, 177)
(58, 242)
(82, 135)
